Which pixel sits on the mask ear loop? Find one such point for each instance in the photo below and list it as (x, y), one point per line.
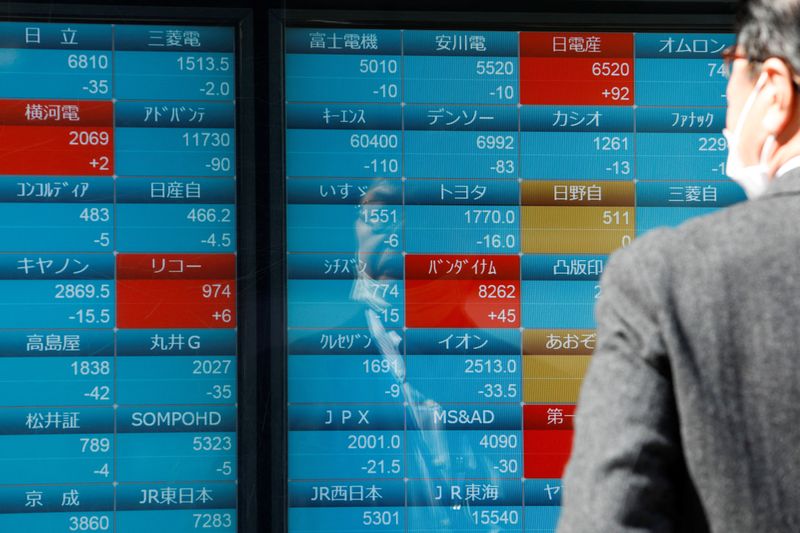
(766, 150)
(771, 140)
(748, 105)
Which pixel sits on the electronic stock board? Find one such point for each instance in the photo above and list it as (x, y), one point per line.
(442, 202)
(453, 194)
(119, 300)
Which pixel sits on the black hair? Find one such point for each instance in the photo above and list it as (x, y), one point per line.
(770, 28)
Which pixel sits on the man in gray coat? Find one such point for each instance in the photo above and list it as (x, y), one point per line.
(689, 416)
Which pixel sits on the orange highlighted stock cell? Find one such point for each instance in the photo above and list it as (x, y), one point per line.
(176, 291)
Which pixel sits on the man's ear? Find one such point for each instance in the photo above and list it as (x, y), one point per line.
(782, 89)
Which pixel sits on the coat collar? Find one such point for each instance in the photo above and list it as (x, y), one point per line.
(789, 183)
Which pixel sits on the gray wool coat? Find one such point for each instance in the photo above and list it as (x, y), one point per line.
(689, 416)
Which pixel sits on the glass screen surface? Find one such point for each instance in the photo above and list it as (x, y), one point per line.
(118, 274)
(452, 198)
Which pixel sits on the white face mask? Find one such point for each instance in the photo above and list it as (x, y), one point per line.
(755, 178)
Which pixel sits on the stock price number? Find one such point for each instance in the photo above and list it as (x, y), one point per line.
(499, 441)
(491, 366)
(203, 215)
(212, 520)
(374, 442)
(611, 69)
(224, 315)
(498, 390)
(216, 290)
(495, 241)
(381, 467)
(380, 518)
(218, 240)
(617, 94)
(91, 316)
(89, 523)
(504, 316)
(497, 292)
(203, 64)
(495, 517)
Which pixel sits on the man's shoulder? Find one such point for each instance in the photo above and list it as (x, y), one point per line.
(706, 240)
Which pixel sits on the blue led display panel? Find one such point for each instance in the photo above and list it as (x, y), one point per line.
(118, 342)
(452, 199)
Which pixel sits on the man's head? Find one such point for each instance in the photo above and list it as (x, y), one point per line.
(763, 92)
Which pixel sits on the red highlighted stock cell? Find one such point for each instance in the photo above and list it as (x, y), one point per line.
(475, 291)
(176, 291)
(552, 81)
(67, 138)
(571, 45)
(576, 69)
(547, 435)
